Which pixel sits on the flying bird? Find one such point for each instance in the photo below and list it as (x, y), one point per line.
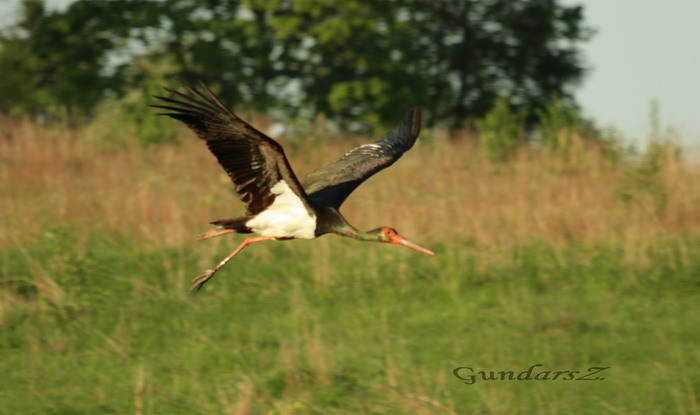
(278, 204)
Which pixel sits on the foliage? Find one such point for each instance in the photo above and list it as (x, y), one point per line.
(559, 125)
(614, 148)
(55, 61)
(563, 134)
(643, 183)
(354, 61)
(500, 132)
(140, 123)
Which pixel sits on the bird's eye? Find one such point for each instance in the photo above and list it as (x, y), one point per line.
(390, 232)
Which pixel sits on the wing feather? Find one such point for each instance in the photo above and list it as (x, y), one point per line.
(332, 184)
(253, 161)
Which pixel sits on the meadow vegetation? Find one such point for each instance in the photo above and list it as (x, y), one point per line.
(566, 252)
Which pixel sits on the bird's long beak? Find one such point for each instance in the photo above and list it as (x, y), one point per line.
(400, 240)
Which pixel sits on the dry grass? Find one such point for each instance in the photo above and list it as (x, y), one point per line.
(166, 194)
(278, 340)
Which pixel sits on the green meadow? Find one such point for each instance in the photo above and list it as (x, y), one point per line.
(568, 263)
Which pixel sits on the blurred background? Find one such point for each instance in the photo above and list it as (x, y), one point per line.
(563, 208)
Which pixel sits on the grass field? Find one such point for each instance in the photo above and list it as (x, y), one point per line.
(570, 263)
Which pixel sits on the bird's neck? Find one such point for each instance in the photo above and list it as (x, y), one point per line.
(351, 232)
(331, 221)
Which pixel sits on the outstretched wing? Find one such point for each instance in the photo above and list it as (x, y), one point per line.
(332, 184)
(255, 162)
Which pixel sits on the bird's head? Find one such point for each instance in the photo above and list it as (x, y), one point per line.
(389, 235)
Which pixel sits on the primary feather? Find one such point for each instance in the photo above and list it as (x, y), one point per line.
(254, 162)
(332, 184)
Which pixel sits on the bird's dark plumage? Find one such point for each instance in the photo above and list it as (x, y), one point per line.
(253, 161)
(278, 207)
(332, 184)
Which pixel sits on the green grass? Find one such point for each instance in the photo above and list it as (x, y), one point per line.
(337, 327)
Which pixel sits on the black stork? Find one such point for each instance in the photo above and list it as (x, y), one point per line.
(279, 206)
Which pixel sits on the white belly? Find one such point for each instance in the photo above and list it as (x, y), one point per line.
(286, 217)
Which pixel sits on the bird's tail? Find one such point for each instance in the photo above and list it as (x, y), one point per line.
(236, 224)
(226, 226)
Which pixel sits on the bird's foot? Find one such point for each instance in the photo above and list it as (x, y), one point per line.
(198, 282)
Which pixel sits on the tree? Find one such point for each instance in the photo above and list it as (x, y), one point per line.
(54, 61)
(365, 60)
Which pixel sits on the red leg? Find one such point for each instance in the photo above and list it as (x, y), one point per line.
(206, 275)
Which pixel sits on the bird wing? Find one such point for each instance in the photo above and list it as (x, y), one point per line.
(332, 184)
(254, 162)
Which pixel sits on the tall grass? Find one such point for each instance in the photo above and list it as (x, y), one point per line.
(438, 191)
(540, 260)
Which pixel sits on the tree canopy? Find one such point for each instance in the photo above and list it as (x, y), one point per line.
(365, 60)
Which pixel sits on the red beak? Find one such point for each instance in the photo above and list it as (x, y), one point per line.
(400, 240)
